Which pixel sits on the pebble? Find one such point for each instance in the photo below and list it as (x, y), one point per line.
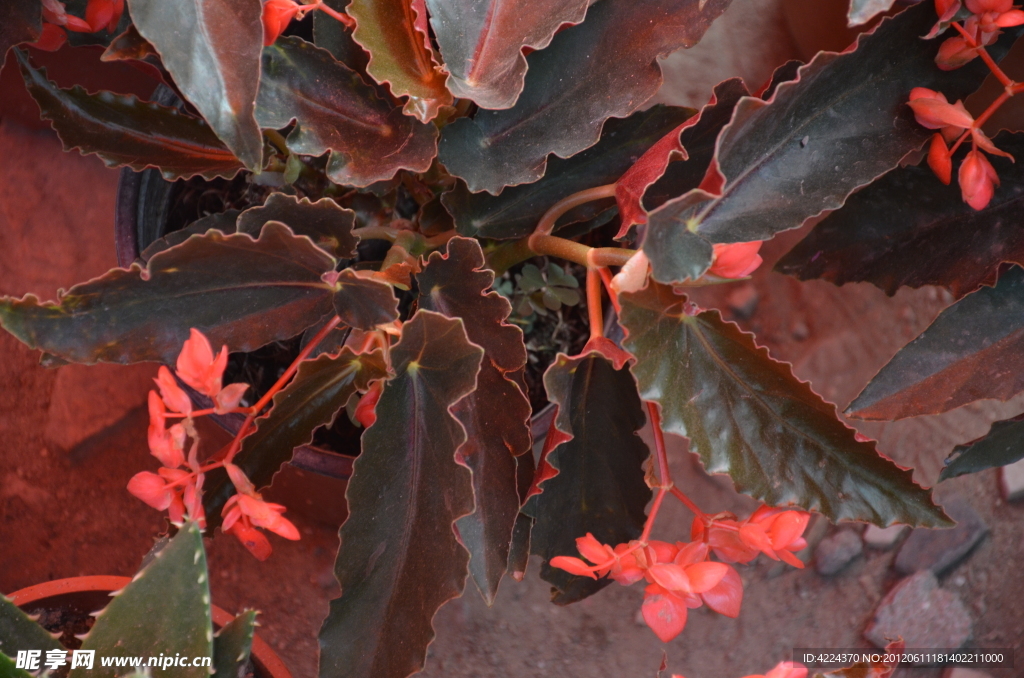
(1011, 481)
(940, 549)
(925, 615)
(883, 538)
(837, 551)
(742, 301)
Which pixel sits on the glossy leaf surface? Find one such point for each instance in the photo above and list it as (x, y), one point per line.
(319, 390)
(400, 54)
(232, 645)
(496, 415)
(369, 139)
(747, 415)
(515, 213)
(841, 124)
(324, 222)
(212, 50)
(364, 303)
(599, 486)
(605, 67)
(399, 559)
(908, 229)
(124, 131)
(1002, 445)
(237, 291)
(20, 21)
(482, 42)
(973, 350)
(164, 610)
(631, 186)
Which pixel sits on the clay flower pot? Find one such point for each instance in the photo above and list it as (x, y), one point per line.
(87, 594)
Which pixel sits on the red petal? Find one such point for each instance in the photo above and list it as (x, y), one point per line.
(252, 539)
(662, 552)
(365, 412)
(671, 577)
(694, 552)
(935, 114)
(152, 489)
(788, 527)
(172, 394)
(736, 260)
(115, 18)
(954, 53)
(1014, 17)
(753, 535)
(726, 596)
(939, 159)
(986, 144)
(788, 557)
(572, 566)
(98, 14)
(229, 397)
(706, 576)
(976, 180)
(665, 614)
(196, 366)
(593, 550)
(73, 23)
(51, 39)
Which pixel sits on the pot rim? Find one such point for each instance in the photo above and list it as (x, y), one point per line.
(51, 591)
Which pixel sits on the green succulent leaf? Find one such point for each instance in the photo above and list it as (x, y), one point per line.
(515, 212)
(9, 669)
(747, 415)
(482, 42)
(126, 132)
(324, 222)
(334, 110)
(605, 67)
(212, 50)
(395, 34)
(400, 559)
(908, 229)
(838, 126)
(164, 610)
(496, 415)
(238, 291)
(20, 22)
(973, 350)
(599, 486)
(19, 632)
(320, 389)
(232, 645)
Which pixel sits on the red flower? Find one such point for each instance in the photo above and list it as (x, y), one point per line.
(197, 365)
(736, 260)
(366, 412)
(277, 14)
(51, 39)
(167, 445)
(173, 396)
(940, 160)
(978, 180)
(995, 14)
(932, 110)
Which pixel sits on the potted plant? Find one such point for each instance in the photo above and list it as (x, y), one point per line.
(160, 618)
(392, 186)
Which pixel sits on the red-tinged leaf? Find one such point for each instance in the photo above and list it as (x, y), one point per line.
(841, 124)
(882, 237)
(863, 11)
(320, 389)
(399, 54)
(1002, 445)
(20, 21)
(519, 549)
(605, 67)
(129, 45)
(747, 415)
(496, 415)
(237, 291)
(630, 188)
(399, 559)
(124, 131)
(369, 139)
(222, 221)
(212, 50)
(973, 350)
(727, 596)
(599, 483)
(324, 222)
(336, 38)
(515, 213)
(665, 614)
(482, 42)
(363, 303)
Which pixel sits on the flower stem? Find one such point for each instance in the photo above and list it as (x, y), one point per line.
(546, 225)
(595, 313)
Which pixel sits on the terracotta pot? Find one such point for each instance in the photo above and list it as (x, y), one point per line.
(88, 594)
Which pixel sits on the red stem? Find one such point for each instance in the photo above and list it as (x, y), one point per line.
(594, 311)
(606, 278)
(985, 56)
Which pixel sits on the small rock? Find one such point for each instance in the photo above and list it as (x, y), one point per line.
(941, 549)
(961, 672)
(1011, 481)
(742, 301)
(800, 331)
(883, 538)
(925, 615)
(835, 552)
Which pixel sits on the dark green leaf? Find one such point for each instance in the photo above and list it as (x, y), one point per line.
(842, 123)
(324, 221)
(399, 559)
(232, 645)
(238, 291)
(909, 229)
(599, 486)
(212, 50)
(515, 213)
(164, 610)
(363, 303)
(482, 42)
(20, 21)
(605, 67)
(222, 221)
(395, 34)
(336, 38)
(1002, 445)
(369, 139)
(863, 11)
(747, 415)
(19, 632)
(313, 398)
(124, 131)
(496, 415)
(973, 350)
